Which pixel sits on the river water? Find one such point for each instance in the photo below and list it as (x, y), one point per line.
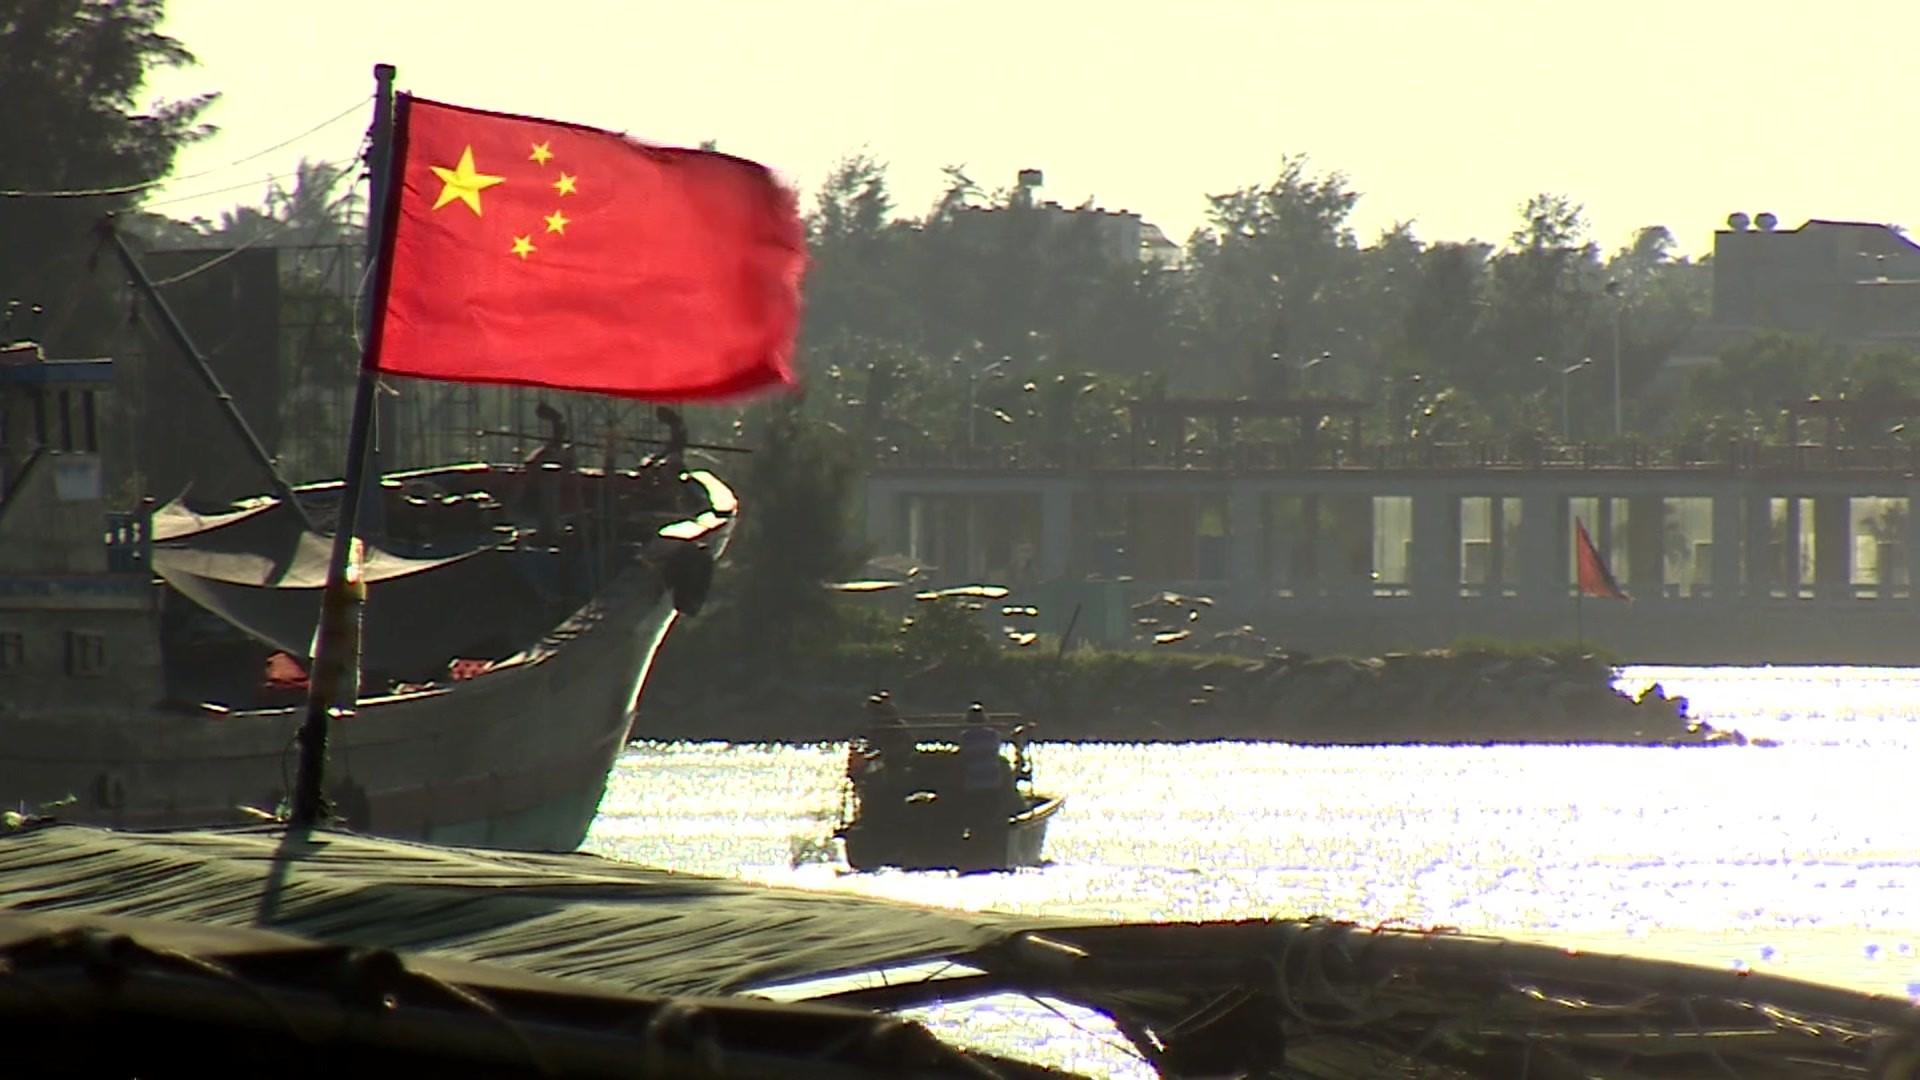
(1801, 859)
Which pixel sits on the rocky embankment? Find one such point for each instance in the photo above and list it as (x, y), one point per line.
(1431, 697)
(1434, 697)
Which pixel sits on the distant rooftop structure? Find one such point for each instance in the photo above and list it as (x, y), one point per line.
(24, 363)
(1122, 234)
(1851, 282)
(1155, 247)
(49, 412)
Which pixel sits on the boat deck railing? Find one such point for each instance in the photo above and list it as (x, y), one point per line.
(1006, 723)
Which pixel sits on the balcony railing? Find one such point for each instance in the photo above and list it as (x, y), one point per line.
(1722, 456)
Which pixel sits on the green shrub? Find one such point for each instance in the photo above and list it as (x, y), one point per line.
(1503, 648)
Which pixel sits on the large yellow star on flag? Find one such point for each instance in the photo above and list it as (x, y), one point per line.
(463, 182)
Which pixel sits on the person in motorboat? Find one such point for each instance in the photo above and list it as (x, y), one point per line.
(984, 773)
(981, 767)
(882, 753)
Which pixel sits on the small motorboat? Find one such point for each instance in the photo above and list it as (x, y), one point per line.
(943, 793)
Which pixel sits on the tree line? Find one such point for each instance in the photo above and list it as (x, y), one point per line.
(987, 317)
(939, 326)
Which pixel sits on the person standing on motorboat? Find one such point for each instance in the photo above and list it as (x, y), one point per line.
(985, 775)
(981, 767)
(889, 744)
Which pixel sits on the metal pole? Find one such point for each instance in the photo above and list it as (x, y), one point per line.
(972, 410)
(333, 683)
(1566, 419)
(171, 323)
(1616, 367)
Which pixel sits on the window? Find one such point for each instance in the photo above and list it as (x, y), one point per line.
(1878, 529)
(86, 653)
(1606, 521)
(1791, 549)
(1686, 539)
(1392, 544)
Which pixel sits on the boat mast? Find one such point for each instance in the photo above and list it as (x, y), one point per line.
(171, 323)
(334, 681)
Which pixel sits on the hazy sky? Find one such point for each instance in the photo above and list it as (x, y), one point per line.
(1451, 114)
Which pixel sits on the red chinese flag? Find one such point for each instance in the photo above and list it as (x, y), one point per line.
(548, 254)
(1595, 578)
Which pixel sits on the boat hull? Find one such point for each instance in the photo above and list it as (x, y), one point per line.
(927, 836)
(516, 758)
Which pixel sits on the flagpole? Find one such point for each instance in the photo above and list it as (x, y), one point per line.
(333, 683)
(1579, 624)
(1579, 586)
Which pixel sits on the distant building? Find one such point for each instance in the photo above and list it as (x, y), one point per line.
(1122, 235)
(1848, 282)
(1156, 248)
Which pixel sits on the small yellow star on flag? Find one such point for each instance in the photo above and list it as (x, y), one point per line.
(463, 182)
(557, 222)
(523, 246)
(564, 185)
(542, 153)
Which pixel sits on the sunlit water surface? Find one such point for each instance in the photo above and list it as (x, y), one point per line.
(1802, 859)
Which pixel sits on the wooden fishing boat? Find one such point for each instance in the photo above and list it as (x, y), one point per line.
(944, 793)
(153, 680)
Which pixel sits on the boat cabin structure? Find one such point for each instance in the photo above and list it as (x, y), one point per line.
(79, 608)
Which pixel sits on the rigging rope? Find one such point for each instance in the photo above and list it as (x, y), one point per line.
(273, 229)
(144, 185)
(241, 187)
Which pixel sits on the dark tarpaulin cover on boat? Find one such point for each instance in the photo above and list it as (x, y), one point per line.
(247, 526)
(128, 996)
(262, 572)
(1262, 997)
(568, 915)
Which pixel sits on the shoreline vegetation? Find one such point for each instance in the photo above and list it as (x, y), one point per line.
(1473, 694)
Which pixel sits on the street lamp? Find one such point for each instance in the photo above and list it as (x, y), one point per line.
(973, 404)
(1566, 415)
(1309, 366)
(1614, 289)
(1389, 406)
